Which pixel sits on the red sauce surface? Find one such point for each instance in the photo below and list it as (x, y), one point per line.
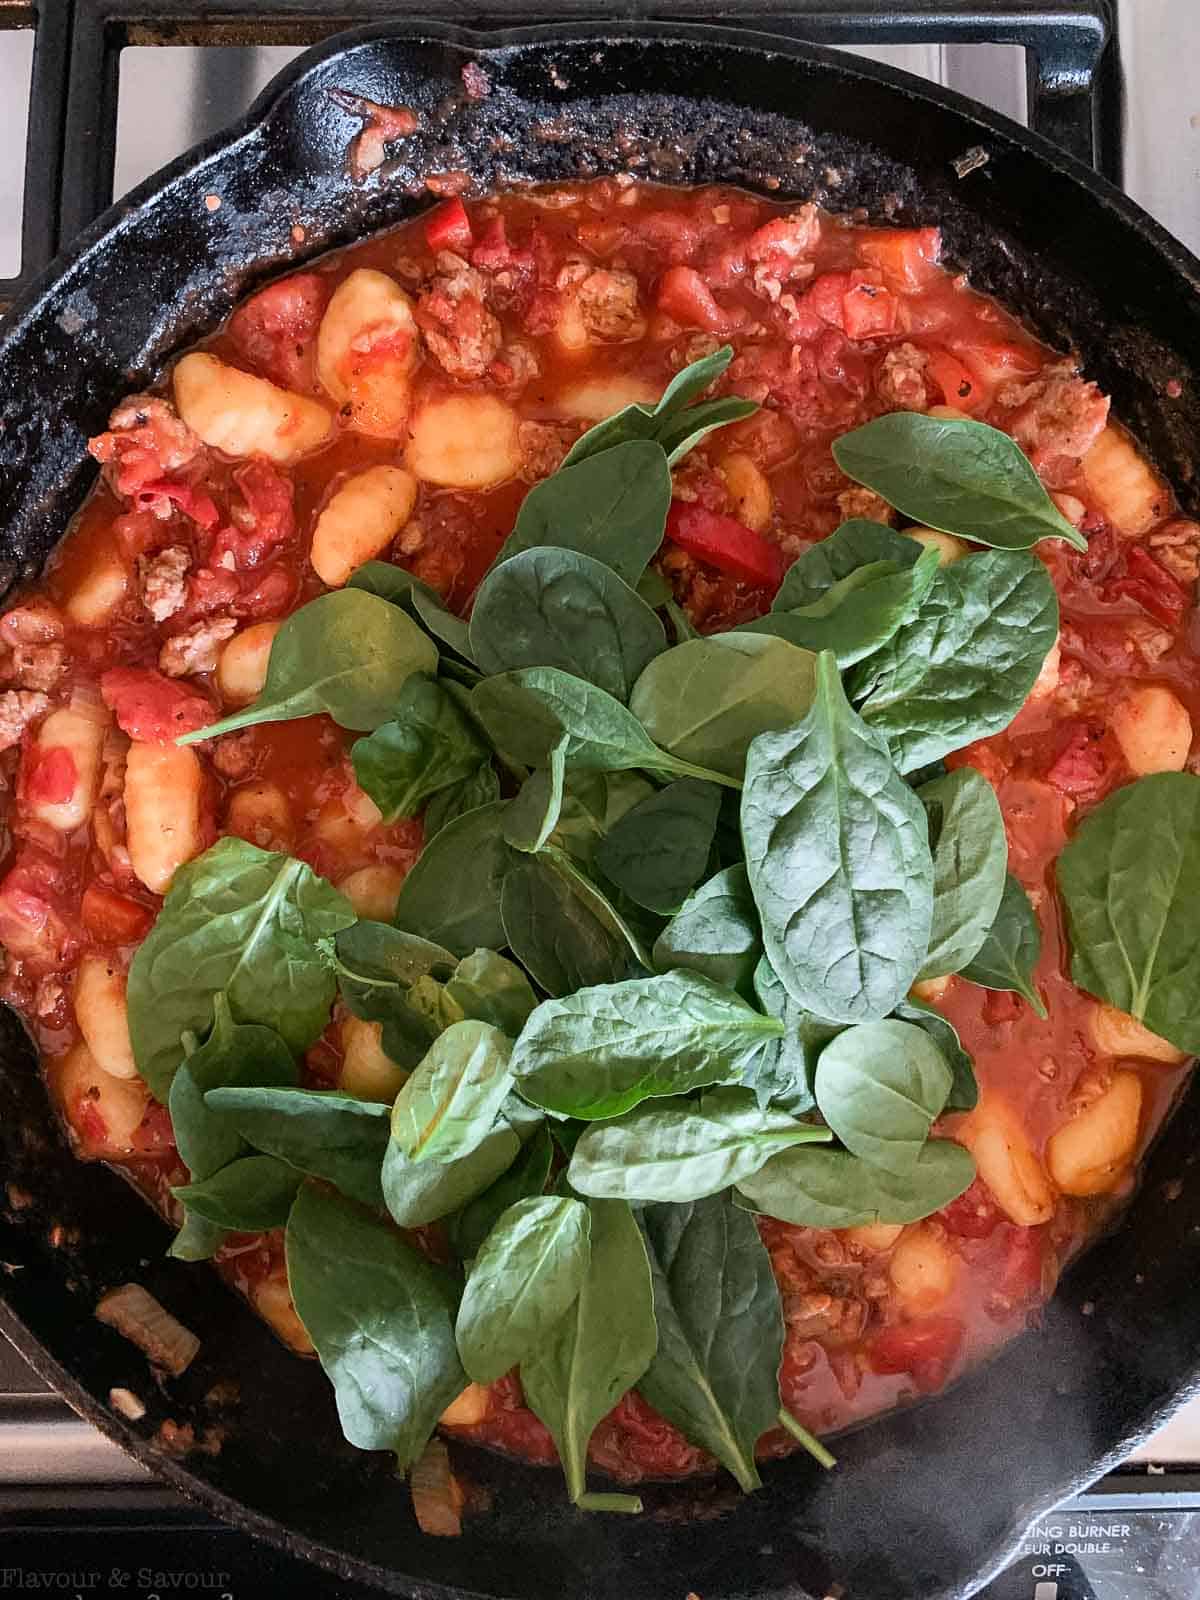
(832, 323)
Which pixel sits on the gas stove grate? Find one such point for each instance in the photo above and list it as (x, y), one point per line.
(1071, 54)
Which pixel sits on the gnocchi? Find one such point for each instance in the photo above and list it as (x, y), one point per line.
(247, 416)
(102, 1016)
(1007, 1162)
(373, 891)
(363, 516)
(874, 1237)
(367, 1071)
(63, 765)
(273, 1302)
(242, 664)
(949, 548)
(1091, 1153)
(470, 1407)
(104, 1112)
(164, 787)
(367, 347)
(467, 441)
(1153, 730)
(1116, 1033)
(923, 1269)
(600, 397)
(261, 814)
(1123, 484)
(749, 490)
(100, 593)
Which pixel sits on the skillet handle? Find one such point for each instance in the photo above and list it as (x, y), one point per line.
(1071, 73)
(43, 149)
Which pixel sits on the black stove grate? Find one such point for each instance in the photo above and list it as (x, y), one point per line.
(1071, 53)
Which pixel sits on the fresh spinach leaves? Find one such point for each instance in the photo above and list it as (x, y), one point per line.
(450, 1103)
(251, 1194)
(814, 1187)
(320, 1132)
(419, 1192)
(970, 859)
(1009, 953)
(714, 932)
(658, 851)
(856, 544)
(880, 1086)
(428, 745)
(452, 894)
(566, 935)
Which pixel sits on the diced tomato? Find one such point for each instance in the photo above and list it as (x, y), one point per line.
(152, 708)
(725, 544)
(868, 309)
(974, 1215)
(684, 295)
(908, 257)
(112, 918)
(493, 252)
(1151, 586)
(447, 227)
(50, 775)
(139, 532)
(1001, 1005)
(839, 362)
(985, 758)
(262, 514)
(672, 234)
(159, 496)
(1083, 766)
(959, 388)
(154, 1133)
(1021, 1274)
(274, 594)
(826, 296)
(925, 1349)
(275, 331)
(210, 590)
(1035, 819)
(997, 361)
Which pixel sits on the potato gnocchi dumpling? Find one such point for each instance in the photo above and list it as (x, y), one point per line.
(367, 347)
(247, 416)
(465, 441)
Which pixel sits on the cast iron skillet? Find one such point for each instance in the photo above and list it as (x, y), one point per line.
(928, 1502)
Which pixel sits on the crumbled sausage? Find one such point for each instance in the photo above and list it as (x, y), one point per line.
(37, 658)
(516, 366)
(1056, 419)
(608, 304)
(146, 441)
(864, 503)
(19, 708)
(197, 648)
(543, 446)
(1176, 546)
(461, 333)
(699, 484)
(900, 381)
(235, 756)
(1148, 641)
(161, 579)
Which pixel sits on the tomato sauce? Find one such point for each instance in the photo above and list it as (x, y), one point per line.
(567, 304)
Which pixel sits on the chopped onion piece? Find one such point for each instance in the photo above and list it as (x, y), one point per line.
(437, 1498)
(127, 1403)
(138, 1317)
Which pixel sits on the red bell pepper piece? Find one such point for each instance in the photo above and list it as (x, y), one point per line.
(449, 228)
(725, 544)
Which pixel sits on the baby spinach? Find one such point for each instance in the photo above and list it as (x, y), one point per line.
(1009, 953)
(597, 1351)
(706, 699)
(964, 1090)
(880, 1086)
(452, 894)
(488, 988)
(963, 667)
(855, 544)
(837, 850)
(394, 584)
(320, 1132)
(657, 852)
(970, 858)
(450, 1103)
(592, 804)
(720, 1329)
(243, 922)
(813, 1187)
(525, 1279)
(379, 969)
(549, 607)
(714, 932)
(682, 1150)
(859, 614)
(441, 622)
(348, 654)
(533, 816)
(251, 1194)
(681, 433)
(526, 1178)
(197, 1239)
(526, 713)
(565, 937)
(447, 805)
(612, 506)
(961, 477)
(601, 1051)
(1130, 882)
(420, 1192)
(428, 745)
(382, 1319)
(782, 1072)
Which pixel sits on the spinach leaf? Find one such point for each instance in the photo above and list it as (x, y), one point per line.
(232, 1055)
(782, 1072)
(419, 1192)
(251, 1194)
(970, 858)
(1130, 881)
(880, 1087)
(818, 1188)
(441, 622)
(558, 932)
(489, 988)
(382, 1319)
(320, 1132)
(447, 805)
(348, 654)
(592, 804)
(525, 1279)
(963, 667)
(379, 969)
(961, 477)
(689, 428)
(598, 1350)
(856, 544)
(859, 614)
(452, 893)
(428, 745)
(657, 852)
(533, 816)
(715, 1374)
(611, 506)
(601, 1051)
(549, 607)
(394, 584)
(198, 1239)
(964, 1090)
(706, 699)
(1009, 954)
(682, 1150)
(715, 931)
(600, 905)
(526, 713)
(837, 850)
(451, 1101)
(242, 922)
(526, 1178)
